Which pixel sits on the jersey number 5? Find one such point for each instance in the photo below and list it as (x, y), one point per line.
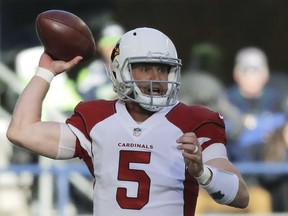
(139, 176)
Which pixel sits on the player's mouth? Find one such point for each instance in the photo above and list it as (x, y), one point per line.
(157, 91)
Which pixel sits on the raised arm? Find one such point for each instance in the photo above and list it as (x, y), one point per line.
(26, 128)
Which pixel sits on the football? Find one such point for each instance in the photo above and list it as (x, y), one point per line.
(64, 35)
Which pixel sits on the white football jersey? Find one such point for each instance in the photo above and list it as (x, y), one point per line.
(137, 167)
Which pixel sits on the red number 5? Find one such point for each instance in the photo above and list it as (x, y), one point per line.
(140, 176)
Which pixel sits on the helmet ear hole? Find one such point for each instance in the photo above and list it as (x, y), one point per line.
(114, 74)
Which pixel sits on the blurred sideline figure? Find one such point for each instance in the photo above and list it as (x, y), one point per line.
(203, 88)
(259, 103)
(261, 110)
(92, 80)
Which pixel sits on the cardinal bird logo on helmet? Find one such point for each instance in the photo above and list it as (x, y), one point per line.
(115, 51)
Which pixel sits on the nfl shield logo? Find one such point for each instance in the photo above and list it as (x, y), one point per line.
(137, 132)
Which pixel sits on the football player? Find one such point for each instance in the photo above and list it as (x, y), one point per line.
(147, 151)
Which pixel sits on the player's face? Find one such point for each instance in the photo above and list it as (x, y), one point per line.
(144, 73)
(251, 80)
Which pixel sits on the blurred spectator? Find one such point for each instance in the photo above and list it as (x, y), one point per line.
(92, 80)
(259, 103)
(261, 110)
(276, 150)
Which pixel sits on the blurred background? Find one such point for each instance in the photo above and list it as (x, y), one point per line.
(208, 35)
(229, 25)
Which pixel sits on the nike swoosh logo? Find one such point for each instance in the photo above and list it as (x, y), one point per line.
(221, 116)
(203, 140)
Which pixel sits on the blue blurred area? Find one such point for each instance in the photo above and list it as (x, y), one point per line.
(265, 124)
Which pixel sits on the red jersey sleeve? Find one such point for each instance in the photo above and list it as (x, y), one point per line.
(204, 122)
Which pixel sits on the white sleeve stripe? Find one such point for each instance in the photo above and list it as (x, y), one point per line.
(85, 143)
(67, 142)
(216, 150)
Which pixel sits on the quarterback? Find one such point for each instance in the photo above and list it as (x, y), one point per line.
(147, 151)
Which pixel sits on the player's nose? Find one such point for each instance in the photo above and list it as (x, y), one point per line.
(155, 74)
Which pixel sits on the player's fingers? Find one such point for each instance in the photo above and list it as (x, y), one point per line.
(194, 158)
(72, 62)
(190, 148)
(188, 138)
(76, 60)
